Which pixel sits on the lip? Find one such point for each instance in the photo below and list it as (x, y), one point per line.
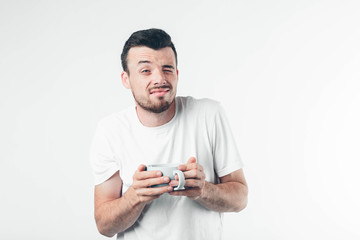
(159, 92)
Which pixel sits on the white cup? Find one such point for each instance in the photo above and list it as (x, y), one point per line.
(169, 170)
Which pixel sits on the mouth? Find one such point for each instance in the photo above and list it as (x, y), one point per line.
(159, 92)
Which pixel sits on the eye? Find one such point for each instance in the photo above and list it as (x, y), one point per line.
(145, 71)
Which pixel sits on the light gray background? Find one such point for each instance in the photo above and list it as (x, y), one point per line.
(287, 73)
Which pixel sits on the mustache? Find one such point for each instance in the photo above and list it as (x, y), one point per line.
(168, 86)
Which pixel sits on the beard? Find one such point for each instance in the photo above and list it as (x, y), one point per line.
(158, 106)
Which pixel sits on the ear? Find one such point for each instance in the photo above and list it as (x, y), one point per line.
(125, 80)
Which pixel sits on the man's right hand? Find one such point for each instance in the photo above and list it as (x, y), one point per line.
(115, 212)
(142, 180)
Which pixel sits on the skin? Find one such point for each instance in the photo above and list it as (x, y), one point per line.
(230, 195)
(150, 71)
(153, 82)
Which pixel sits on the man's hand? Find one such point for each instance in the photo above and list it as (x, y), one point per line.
(142, 180)
(194, 180)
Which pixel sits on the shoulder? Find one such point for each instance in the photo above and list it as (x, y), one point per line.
(206, 107)
(203, 104)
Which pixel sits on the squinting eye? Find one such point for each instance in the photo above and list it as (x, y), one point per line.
(145, 71)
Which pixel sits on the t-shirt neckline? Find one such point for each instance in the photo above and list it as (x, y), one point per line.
(158, 128)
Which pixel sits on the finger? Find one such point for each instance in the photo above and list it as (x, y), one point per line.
(191, 166)
(191, 160)
(194, 173)
(188, 166)
(174, 183)
(154, 181)
(154, 191)
(150, 182)
(183, 167)
(146, 175)
(141, 168)
(189, 183)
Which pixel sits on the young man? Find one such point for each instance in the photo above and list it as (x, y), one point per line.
(163, 128)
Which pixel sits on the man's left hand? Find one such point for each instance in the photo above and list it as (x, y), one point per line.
(194, 180)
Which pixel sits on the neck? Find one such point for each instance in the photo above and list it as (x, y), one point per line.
(150, 119)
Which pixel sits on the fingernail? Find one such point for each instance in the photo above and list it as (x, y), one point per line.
(170, 188)
(166, 179)
(158, 174)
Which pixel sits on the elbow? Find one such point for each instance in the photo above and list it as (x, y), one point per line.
(103, 231)
(103, 228)
(241, 205)
(243, 200)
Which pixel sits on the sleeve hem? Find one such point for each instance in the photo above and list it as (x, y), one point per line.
(229, 169)
(98, 179)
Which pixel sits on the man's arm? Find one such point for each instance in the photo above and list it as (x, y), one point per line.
(230, 195)
(115, 212)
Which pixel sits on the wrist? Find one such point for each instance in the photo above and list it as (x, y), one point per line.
(132, 198)
(204, 193)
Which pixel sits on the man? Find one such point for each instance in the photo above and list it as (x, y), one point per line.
(163, 128)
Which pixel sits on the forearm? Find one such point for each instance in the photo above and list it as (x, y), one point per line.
(118, 215)
(224, 197)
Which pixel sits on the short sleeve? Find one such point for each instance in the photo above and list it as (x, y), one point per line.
(102, 157)
(226, 154)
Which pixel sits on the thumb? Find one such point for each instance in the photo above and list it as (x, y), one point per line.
(191, 160)
(187, 166)
(141, 168)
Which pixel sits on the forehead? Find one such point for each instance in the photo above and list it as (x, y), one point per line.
(160, 56)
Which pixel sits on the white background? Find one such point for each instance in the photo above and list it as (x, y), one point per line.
(287, 73)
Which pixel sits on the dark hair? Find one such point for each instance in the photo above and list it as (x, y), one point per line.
(152, 38)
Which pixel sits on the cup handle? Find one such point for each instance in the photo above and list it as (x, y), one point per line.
(181, 180)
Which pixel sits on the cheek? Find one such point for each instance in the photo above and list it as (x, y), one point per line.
(174, 83)
(140, 90)
(140, 85)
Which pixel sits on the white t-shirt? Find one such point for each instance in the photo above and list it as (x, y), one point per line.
(199, 128)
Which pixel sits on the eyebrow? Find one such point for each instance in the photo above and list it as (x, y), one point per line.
(168, 66)
(143, 61)
(147, 61)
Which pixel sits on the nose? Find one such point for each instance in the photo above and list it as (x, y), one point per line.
(159, 77)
